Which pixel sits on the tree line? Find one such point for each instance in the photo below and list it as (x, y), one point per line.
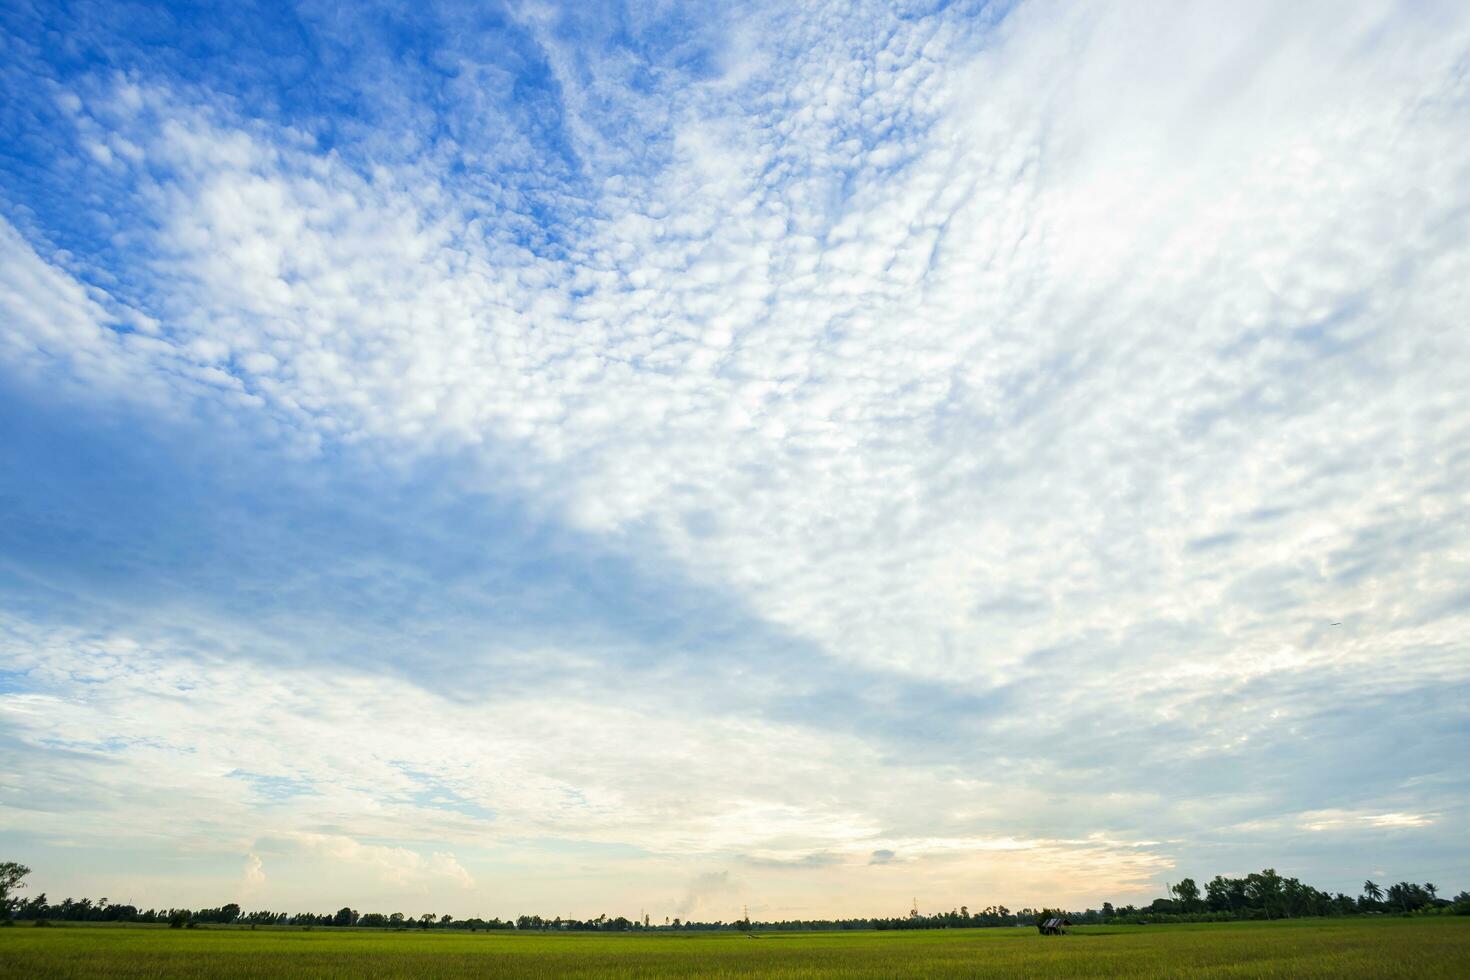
(1260, 895)
(1268, 895)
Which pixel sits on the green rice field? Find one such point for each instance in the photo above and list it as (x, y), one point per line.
(1386, 947)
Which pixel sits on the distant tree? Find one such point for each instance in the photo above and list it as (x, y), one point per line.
(1296, 898)
(1225, 894)
(426, 919)
(1432, 889)
(1188, 894)
(1107, 910)
(445, 919)
(35, 908)
(1371, 890)
(345, 917)
(1408, 896)
(12, 877)
(1264, 889)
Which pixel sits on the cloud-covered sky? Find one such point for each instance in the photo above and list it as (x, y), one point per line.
(581, 458)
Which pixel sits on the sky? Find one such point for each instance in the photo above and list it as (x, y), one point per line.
(504, 458)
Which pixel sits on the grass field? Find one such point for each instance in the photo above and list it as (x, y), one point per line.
(1434, 947)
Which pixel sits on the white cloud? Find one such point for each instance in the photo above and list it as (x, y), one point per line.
(394, 865)
(187, 751)
(1109, 355)
(254, 872)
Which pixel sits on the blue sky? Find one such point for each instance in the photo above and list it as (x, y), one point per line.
(576, 459)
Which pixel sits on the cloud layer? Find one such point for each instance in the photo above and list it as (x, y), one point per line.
(612, 458)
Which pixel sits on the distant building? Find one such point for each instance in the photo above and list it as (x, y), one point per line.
(1055, 926)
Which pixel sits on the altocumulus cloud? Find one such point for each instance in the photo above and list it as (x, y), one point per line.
(568, 458)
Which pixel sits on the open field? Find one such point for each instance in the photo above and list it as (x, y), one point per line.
(1304, 948)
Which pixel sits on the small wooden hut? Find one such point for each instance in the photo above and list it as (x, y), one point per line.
(1054, 926)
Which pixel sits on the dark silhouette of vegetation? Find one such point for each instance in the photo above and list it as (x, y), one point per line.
(1260, 895)
(12, 876)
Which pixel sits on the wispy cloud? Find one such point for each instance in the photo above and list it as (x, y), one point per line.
(1028, 423)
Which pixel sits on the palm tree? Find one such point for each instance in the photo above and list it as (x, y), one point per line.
(1372, 891)
(1432, 889)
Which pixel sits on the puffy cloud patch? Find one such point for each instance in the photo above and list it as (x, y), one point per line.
(1052, 415)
